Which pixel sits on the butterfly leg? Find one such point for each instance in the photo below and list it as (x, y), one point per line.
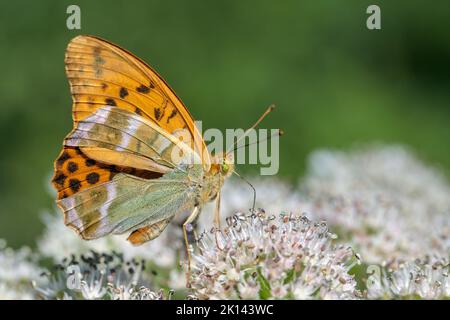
(187, 223)
(217, 219)
(217, 212)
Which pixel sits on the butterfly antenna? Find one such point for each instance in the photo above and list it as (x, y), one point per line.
(279, 134)
(269, 109)
(251, 186)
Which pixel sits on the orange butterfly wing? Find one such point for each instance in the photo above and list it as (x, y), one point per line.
(101, 73)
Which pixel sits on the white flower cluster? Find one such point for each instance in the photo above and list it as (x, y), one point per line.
(422, 279)
(383, 200)
(17, 271)
(261, 257)
(98, 276)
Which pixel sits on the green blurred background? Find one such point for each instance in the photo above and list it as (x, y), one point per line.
(335, 82)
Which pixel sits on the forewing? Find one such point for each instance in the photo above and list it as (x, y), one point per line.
(101, 73)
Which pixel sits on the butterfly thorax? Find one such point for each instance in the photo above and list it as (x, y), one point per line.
(210, 187)
(213, 180)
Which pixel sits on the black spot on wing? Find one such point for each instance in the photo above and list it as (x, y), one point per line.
(123, 92)
(158, 114)
(72, 167)
(93, 177)
(110, 102)
(77, 150)
(112, 171)
(59, 179)
(63, 158)
(172, 114)
(143, 89)
(74, 185)
(90, 162)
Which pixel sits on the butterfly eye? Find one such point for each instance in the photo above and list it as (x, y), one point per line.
(225, 168)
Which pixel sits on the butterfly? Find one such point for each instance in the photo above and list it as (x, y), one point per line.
(134, 159)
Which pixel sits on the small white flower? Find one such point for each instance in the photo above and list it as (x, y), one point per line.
(93, 289)
(427, 279)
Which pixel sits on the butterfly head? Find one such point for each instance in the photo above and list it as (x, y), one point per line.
(224, 164)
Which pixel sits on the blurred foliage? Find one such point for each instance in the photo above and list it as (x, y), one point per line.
(335, 82)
